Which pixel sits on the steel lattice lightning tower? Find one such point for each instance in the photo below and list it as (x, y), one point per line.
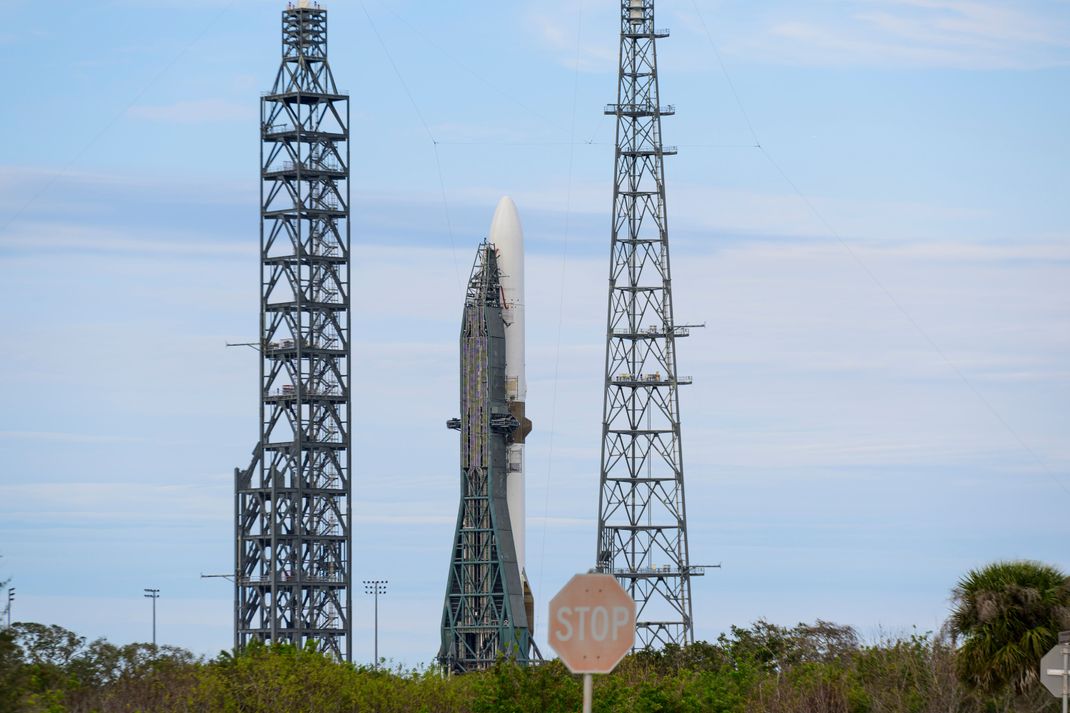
(293, 502)
(642, 522)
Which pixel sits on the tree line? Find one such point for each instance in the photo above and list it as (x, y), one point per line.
(985, 660)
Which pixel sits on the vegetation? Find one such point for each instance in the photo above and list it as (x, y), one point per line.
(809, 668)
(819, 668)
(1009, 614)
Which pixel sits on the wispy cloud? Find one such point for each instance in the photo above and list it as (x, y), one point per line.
(198, 111)
(58, 437)
(49, 192)
(54, 237)
(963, 34)
(562, 522)
(558, 28)
(117, 505)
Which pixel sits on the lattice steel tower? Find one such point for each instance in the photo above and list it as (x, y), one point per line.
(293, 502)
(642, 523)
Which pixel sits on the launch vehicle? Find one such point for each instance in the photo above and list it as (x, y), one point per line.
(489, 608)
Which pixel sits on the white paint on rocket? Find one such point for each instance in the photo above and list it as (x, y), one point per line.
(508, 237)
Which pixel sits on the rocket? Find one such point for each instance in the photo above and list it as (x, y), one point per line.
(507, 236)
(489, 610)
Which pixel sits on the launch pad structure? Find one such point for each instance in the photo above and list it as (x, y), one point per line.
(487, 611)
(642, 520)
(293, 503)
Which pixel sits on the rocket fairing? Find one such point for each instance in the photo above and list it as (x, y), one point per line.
(507, 236)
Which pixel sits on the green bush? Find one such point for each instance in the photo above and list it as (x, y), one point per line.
(809, 668)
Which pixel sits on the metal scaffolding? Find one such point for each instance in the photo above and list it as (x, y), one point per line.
(293, 503)
(484, 616)
(642, 521)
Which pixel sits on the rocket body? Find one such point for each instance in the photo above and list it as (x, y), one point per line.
(489, 610)
(507, 236)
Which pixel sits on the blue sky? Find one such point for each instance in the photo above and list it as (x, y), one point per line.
(882, 392)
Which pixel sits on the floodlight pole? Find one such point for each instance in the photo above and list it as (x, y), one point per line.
(153, 594)
(375, 587)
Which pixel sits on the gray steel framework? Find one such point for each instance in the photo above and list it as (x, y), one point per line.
(484, 616)
(642, 521)
(293, 503)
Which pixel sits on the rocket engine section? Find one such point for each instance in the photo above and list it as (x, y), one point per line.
(485, 613)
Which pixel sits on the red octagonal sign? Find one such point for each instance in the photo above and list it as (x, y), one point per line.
(592, 623)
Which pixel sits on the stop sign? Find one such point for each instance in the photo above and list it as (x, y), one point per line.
(592, 623)
(1053, 673)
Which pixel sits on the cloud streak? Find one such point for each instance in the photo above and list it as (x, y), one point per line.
(556, 26)
(42, 237)
(195, 111)
(958, 34)
(56, 437)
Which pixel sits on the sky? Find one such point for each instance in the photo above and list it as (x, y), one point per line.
(869, 212)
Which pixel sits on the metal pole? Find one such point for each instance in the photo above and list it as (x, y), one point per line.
(588, 692)
(375, 587)
(153, 594)
(1066, 675)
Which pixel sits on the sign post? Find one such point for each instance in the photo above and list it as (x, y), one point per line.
(1055, 669)
(592, 627)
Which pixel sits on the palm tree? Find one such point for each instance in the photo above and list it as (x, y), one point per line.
(1008, 614)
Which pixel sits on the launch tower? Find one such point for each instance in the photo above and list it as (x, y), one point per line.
(293, 503)
(484, 615)
(642, 522)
